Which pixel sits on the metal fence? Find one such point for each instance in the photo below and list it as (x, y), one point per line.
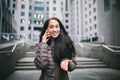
(76, 38)
(12, 36)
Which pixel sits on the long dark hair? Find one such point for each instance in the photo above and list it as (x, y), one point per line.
(64, 46)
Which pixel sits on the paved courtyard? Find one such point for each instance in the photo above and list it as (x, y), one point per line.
(78, 74)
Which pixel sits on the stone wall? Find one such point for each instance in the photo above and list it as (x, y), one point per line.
(111, 58)
(8, 58)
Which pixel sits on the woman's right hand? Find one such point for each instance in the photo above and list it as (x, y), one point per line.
(46, 37)
(64, 64)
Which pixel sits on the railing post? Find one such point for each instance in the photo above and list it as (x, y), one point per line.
(103, 40)
(8, 35)
(91, 39)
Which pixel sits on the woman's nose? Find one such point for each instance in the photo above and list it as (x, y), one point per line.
(54, 28)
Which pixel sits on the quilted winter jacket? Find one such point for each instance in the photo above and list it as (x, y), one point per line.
(49, 69)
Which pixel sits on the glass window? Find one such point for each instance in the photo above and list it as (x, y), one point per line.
(66, 21)
(89, 5)
(86, 30)
(54, 8)
(89, 12)
(29, 21)
(106, 5)
(39, 3)
(35, 15)
(94, 18)
(85, 2)
(86, 22)
(66, 15)
(90, 28)
(13, 5)
(22, 13)
(85, 8)
(67, 27)
(29, 28)
(42, 16)
(95, 34)
(30, 14)
(94, 1)
(90, 20)
(35, 22)
(13, 12)
(95, 26)
(47, 2)
(47, 8)
(66, 5)
(38, 16)
(39, 8)
(54, 1)
(86, 15)
(22, 6)
(30, 7)
(22, 21)
(94, 9)
(22, 28)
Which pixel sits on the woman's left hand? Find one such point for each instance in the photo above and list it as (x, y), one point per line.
(64, 64)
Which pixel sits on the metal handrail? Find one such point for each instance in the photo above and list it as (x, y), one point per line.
(12, 36)
(81, 45)
(105, 46)
(13, 48)
(110, 49)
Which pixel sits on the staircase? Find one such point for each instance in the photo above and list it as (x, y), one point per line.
(27, 63)
(83, 62)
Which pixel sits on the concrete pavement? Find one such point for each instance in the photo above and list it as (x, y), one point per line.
(78, 74)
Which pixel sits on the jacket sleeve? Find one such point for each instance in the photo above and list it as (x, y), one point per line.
(40, 60)
(72, 64)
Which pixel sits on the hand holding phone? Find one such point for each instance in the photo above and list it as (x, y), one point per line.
(46, 37)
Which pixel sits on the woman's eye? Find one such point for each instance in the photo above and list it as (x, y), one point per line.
(57, 26)
(51, 27)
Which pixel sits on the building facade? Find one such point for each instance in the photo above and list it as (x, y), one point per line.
(97, 20)
(7, 22)
(116, 22)
(84, 20)
(20, 11)
(55, 9)
(76, 26)
(36, 18)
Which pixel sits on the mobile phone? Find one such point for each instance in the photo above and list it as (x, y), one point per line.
(48, 34)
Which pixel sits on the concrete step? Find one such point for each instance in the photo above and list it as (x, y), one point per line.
(26, 63)
(84, 59)
(25, 68)
(83, 63)
(92, 66)
(77, 74)
(78, 60)
(89, 63)
(26, 59)
(30, 54)
(32, 67)
(78, 63)
(32, 48)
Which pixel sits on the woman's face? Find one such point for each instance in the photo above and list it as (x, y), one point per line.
(53, 28)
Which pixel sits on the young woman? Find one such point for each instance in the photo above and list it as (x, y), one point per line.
(55, 54)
